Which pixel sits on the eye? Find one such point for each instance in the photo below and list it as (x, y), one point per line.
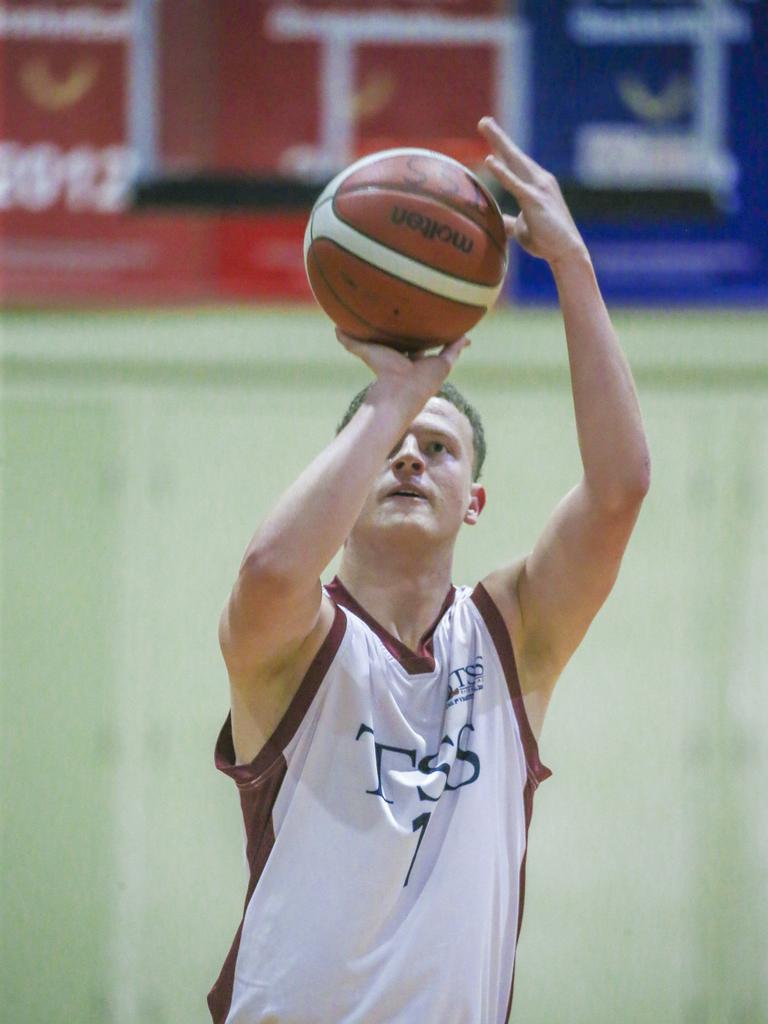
(436, 448)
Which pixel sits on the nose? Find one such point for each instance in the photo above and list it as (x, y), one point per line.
(408, 457)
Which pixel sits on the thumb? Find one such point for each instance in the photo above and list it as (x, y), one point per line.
(453, 350)
(509, 224)
(350, 344)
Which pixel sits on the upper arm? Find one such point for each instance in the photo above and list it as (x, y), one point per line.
(265, 620)
(269, 634)
(550, 598)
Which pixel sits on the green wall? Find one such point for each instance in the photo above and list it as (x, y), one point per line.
(56, 711)
(139, 452)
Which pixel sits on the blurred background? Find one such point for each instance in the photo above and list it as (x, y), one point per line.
(165, 374)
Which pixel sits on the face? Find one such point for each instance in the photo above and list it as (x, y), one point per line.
(425, 490)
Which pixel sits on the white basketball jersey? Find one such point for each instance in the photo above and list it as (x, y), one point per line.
(386, 823)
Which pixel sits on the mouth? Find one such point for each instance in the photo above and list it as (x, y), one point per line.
(411, 493)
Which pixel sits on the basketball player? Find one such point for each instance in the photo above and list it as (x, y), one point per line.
(383, 729)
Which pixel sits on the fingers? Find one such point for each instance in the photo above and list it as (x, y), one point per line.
(384, 359)
(509, 224)
(350, 344)
(505, 149)
(375, 357)
(365, 350)
(520, 189)
(457, 346)
(452, 351)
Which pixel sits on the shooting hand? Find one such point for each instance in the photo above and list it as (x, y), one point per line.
(418, 373)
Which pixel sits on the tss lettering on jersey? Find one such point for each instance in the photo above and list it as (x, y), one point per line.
(396, 755)
(400, 757)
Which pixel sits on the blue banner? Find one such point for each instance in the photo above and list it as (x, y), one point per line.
(654, 119)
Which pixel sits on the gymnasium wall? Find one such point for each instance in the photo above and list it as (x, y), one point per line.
(140, 448)
(140, 452)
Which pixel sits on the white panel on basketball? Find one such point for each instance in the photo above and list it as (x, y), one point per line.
(334, 183)
(325, 224)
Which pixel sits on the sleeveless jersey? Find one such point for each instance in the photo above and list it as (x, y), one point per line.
(386, 823)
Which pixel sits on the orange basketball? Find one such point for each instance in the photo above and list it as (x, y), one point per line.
(406, 246)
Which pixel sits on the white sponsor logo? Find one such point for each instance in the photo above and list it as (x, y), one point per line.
(464, 683)
(84, 178)
(84, 24)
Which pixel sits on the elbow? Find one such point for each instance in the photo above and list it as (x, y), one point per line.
(644, 475)
(638, 481)
(275, 574)
(264, 570)
(624, 494)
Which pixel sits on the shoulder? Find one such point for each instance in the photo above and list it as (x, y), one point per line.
(503, 592)
(496, 597)
(481, 605)
(259, 707)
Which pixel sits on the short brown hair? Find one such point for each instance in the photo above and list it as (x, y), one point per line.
(451, 394)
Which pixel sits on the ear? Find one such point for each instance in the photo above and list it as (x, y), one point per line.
(476, 504)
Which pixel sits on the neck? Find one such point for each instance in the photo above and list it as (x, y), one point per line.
(403, 591)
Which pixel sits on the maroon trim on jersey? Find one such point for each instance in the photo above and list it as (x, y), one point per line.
(537, 772)
(496, 626)
(246, 774)
(528, 791)
(414, 662)
(259, 783)
(256, 803)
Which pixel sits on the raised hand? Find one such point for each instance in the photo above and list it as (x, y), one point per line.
(544, 227)
(418, 373)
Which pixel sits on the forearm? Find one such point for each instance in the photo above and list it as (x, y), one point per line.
(313, 518)
(612, 441)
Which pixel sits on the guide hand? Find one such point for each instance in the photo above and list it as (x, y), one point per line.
(544, 227)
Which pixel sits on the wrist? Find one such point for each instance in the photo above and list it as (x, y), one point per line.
(402, 399)
(575, 257)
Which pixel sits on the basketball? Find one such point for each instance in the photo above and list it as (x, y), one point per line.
(406, 247)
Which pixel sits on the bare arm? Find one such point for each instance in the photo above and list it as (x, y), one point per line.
(276, 602)
(550, 597)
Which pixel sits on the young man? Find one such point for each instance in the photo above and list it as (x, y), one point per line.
(383, 730)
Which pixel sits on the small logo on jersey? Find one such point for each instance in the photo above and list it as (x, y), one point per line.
(464, 683)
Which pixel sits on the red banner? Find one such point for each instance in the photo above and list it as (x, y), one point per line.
(305, 88)
(66, 166)
(259, 87)
(262, 257)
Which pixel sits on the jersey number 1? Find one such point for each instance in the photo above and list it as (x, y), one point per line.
(420, 826)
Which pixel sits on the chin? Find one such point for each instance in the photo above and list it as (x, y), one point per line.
(393, 525)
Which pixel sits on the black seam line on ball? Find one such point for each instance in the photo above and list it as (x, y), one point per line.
(455, 277)
(378, 331)
(415, 190)
(403, 280)
(332, 290)
(354, 227)
(419, 191)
